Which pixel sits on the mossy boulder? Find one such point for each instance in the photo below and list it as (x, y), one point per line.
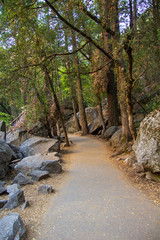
(147, 145)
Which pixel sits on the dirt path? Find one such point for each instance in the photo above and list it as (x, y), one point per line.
(97, 203)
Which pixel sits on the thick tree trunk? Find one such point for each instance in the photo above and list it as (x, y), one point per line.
(121, 75)
(113, 115)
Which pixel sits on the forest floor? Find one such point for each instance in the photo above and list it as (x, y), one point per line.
(33, 215)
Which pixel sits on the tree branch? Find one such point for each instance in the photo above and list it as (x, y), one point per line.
(77, 30)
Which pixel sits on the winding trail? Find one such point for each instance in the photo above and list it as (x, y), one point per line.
(97, 203)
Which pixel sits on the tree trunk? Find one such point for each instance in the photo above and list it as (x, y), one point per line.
(83, 119)
(101, 114)
(48, 78)
(113, 115)
(121, 75)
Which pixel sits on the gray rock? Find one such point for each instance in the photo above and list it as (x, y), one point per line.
(12, 227)
(17, 137)
(21, 179)
(39, 145)
(95, 126)
(51, 166)
(45, 189)
(147, 145)
(2, 190)
(2, 135)
(2, 183)
(91, 114)
(2, 203)
(15, 200)
(25, 205)
(6, 155)
(3, 130)
(138, 167)
(38, 175)
(12, 189)
(109, 132)
(30, 163)
(116, 138)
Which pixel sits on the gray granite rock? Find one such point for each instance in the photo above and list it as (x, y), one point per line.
(28, 164)
(2, 190)
(39, 145)
(147, 145)
(46, 189)
(109, 132)
(15, 200)
(21, 179)
(51, 166)
(38, 175)
(12, 189)
(12, 227)
(2, 183)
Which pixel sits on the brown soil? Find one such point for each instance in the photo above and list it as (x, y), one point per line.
(40, 203)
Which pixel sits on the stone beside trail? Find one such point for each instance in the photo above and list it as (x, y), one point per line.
(39, 145)
(147, 145)
(12, 227)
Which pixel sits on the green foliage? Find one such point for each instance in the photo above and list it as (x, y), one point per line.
(5, 117)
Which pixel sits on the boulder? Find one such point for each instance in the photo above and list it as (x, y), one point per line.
(2, 183)
(12, 227)
(28, 164)
(2, 135)
(38, 175)
(39, 145)
(45, 189)
(2, 203)
(38, 130)
(15, 200)
(6, 155)
(51, 166)
(147, 145)
(91, 114)
(21, 179)
(12, 189)
(116, 138)
(110, 131)
(96, 126)
(2, 190)
(17, 137)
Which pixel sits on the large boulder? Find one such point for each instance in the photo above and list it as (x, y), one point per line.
(12, 227)
(39, 145)
(17, 137)
(12, 189)
(116, 138)
(28, 164)
(91, 115)
(109, 132)
(6, 155)
(147, 145)
(96, 125)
